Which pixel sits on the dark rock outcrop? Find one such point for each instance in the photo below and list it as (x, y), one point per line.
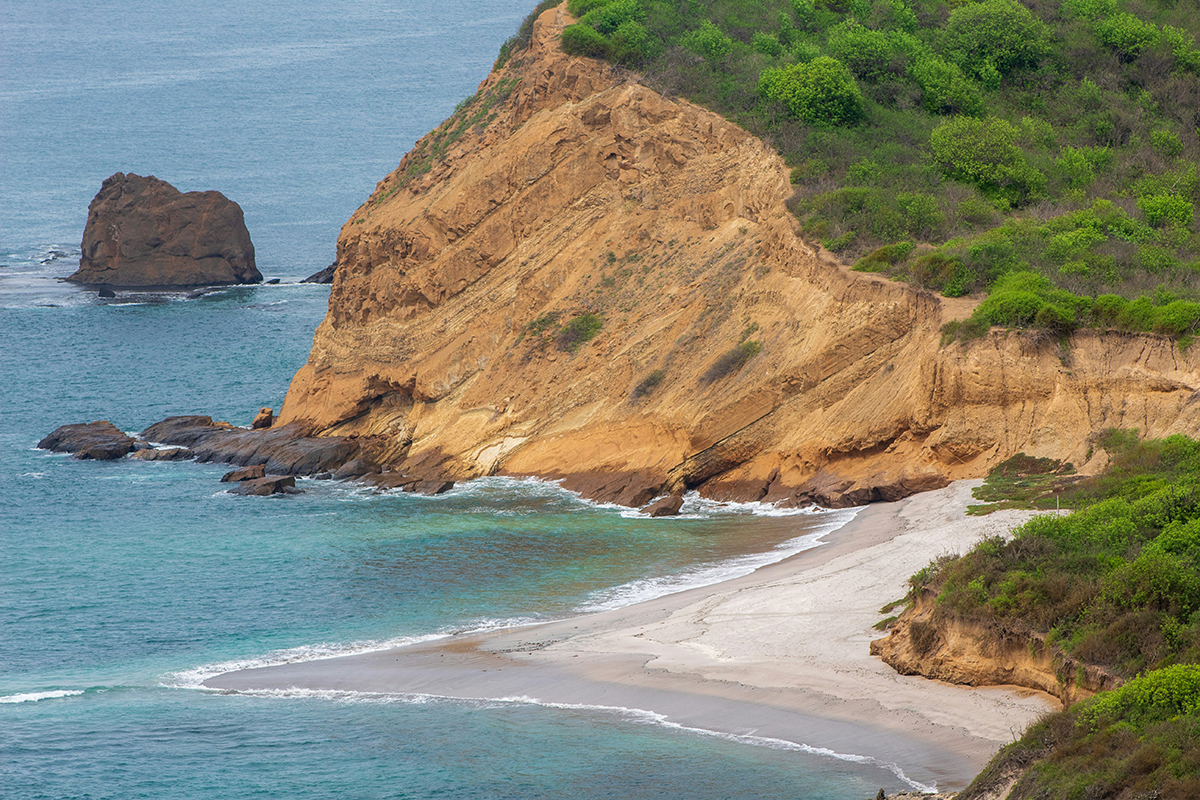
(667, 507)
(143, 232)
(244, 474)
(354, 469)
(101, 441)
(430, 487)
(167, 454)
(324, 276)
(281, 450)
(261, 487)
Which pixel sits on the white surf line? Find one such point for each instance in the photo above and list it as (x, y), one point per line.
(638, 715)
(712, 573)
(33, 697)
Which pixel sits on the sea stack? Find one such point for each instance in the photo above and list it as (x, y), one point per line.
(143, 232)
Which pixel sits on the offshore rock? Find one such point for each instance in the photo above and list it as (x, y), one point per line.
(244, 474)
(280, 450)
(262, 487)
(101, 441)
(322, 276)
(143, 232)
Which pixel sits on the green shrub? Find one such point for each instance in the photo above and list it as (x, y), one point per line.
(884, 257)
(867, 53)
(1079, 165)
(821, 92)
(767, 44)
(893, 15)
(1178, 318)
(1127, 35)
(1155, 696)
(1166, 143)
(579, 331)
(1161, 209)
(606, 19)
(583, 40)
(708, 41)
(994, 37)
(1090, 9)
(631, 43)
(984, 152)
(579, 8)
(921, 212)
(944, 88)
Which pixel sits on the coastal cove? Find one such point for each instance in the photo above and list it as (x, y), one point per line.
(776, 658)
(562, 303)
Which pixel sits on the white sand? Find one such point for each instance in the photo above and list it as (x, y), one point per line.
(781, 653)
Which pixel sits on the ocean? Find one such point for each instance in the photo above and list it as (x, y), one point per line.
(123, 585)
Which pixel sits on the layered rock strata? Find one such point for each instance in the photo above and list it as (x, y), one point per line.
(143, 232)
(731, 357)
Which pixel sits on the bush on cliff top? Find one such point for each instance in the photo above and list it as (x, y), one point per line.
(1116, 583)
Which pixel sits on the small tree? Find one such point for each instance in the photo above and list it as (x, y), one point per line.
(992, 38)
(708, 41)
(867, 53)
(820, 92)
(984, 152)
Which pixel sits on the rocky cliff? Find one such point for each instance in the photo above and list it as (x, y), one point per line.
(924, 642)
(731, 356)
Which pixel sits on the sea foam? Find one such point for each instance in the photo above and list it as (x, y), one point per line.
(644, 589)
(33, 697)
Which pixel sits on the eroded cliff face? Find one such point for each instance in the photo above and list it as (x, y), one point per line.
(924, 642)
(565, 188)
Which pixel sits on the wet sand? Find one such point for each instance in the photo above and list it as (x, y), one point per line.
(780, 654)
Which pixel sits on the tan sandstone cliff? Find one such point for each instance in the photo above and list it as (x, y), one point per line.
(924, 642)
(563, 188)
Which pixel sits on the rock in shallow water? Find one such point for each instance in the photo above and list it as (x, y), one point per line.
(324, 276)
(101, 441)
(667, 507)
(142, 231)
(261, 487)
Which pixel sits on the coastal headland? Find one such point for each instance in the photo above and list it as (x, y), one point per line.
(780, 654)
(578, 278)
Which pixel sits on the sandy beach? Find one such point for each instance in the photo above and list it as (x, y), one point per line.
(779, 656)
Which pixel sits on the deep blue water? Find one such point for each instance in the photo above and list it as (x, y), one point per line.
(123, 584)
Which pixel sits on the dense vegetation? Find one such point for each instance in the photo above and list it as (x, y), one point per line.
(1042, 150)
(1115, 584)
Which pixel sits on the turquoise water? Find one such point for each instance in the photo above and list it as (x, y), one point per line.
(124, 584)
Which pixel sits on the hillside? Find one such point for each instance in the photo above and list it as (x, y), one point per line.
(577, 277)
(951, 143)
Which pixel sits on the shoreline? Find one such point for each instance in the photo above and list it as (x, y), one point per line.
(773, 657)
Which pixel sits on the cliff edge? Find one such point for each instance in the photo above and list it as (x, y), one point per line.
(576, 277)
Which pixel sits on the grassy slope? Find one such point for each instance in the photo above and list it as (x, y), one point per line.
(988, 138)
(1117, 584)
